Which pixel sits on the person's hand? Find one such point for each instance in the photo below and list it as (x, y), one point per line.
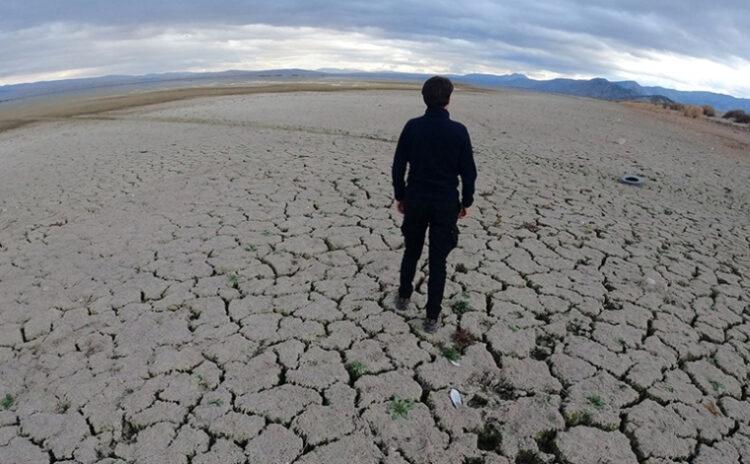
(400, 207)
(463, 213)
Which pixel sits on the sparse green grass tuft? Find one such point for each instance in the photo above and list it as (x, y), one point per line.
(399, 408)
(546, 441)
(717, 386)
(460, 306)
(473, 460)
(251, 248)
(202, 380)
(610, 427)
(62, 406)
(528, 457)
(596, 401)
(7, 402)
(579, 418)
(234, 280)
(514, 327)
(216, 402)
(489, 438)
(451, 353)
(356, 370)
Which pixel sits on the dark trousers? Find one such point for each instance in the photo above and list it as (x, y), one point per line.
(440, 219)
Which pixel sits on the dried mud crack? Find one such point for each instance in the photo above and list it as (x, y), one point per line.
(211, 281)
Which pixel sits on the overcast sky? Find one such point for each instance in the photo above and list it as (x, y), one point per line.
(685, 44)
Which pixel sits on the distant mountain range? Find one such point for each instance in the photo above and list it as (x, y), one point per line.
(593, 88)
(608, 90)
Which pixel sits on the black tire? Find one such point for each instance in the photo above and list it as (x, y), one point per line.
(631, 179)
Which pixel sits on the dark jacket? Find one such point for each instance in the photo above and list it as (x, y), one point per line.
(438, 151)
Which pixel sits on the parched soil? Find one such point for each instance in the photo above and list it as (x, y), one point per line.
(211, 281)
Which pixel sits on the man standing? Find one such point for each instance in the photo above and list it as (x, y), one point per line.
(437, 151)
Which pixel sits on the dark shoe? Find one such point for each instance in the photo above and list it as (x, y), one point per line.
(402, 304)
(430, 325)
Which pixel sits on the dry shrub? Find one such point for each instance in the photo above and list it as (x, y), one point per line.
(463, 338)
(692, 111)
(738, 115)
(709, 111)
(674, 106)
(732, 114)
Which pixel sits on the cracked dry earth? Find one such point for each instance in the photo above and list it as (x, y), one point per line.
(210, 281)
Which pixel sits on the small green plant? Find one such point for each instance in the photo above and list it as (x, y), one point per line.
(528, 457)
(576, 327)
(266, 233)
(596, 401)
(399, 408)
(460, 306)
(717, 386)
(473, 461)
(202, 380)
(451, 353)
(489, 438)
(609, 427)
(514, 328)
(62, 406)
(546, 441)
(216, 402)
(234, 280)
(579, 418)
(251, 248)
(356, 370)
(7, 402)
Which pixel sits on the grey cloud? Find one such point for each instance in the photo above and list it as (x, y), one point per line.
(697, 27)
(561, 36)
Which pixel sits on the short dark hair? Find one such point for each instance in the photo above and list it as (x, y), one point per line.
(436, 91)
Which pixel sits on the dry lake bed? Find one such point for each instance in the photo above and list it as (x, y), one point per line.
(210, 281)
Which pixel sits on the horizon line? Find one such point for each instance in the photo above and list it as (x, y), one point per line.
(335, 71)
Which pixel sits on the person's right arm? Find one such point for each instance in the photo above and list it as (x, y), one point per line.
(468, 173)
(398, 170)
